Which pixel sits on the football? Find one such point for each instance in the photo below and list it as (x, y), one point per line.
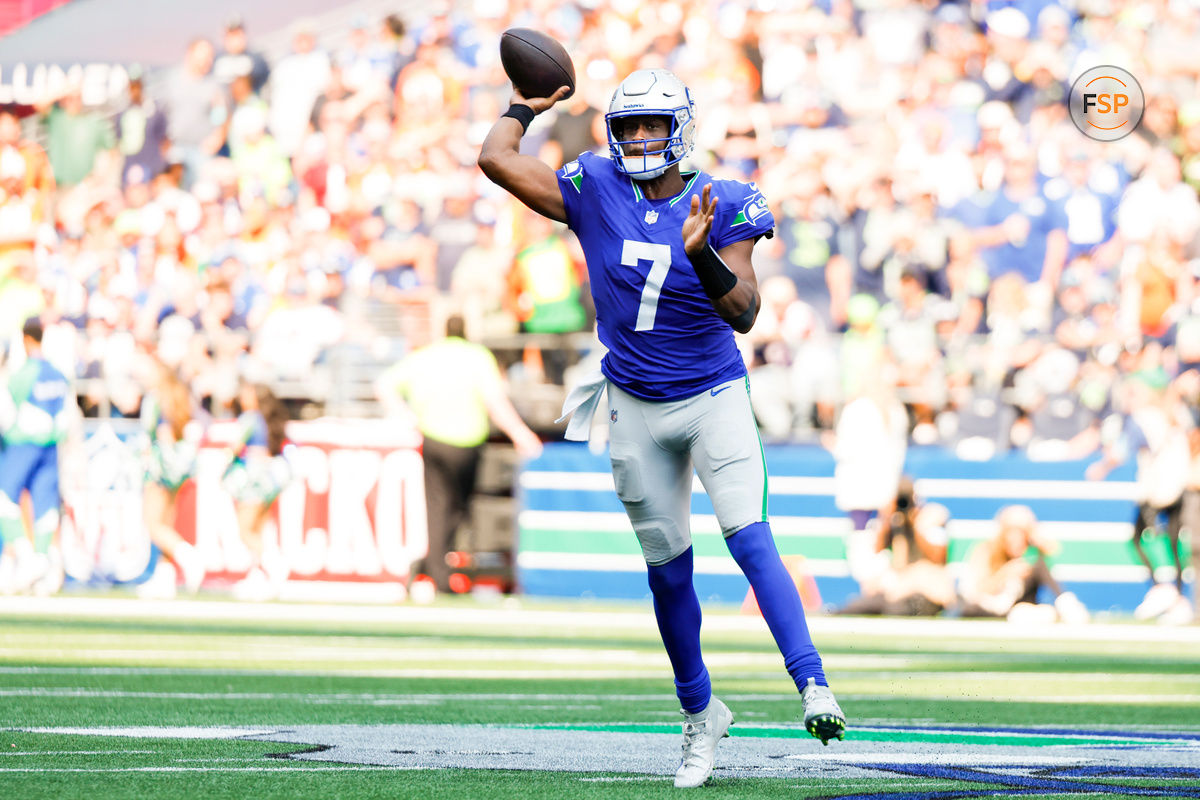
(536, 63)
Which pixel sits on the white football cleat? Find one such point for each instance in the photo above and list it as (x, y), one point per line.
(52, 577)
(255, 587)
(1180, 613)
(701, 732)
(191, 566)
(423, 591)
(162, 583)
(1160, 598)
(1071, 609)
(823, 717)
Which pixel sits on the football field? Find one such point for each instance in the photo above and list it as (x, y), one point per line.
(106, 697)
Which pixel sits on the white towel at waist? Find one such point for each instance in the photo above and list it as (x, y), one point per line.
(581, 404)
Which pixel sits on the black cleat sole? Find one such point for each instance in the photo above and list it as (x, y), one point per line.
(827, 727)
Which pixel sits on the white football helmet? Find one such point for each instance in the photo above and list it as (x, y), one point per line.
(652, 92)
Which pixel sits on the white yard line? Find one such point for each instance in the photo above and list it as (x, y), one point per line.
(940, 693)
(567, 620)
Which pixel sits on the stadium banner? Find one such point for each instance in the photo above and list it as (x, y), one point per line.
(574, 539)
(350, 521)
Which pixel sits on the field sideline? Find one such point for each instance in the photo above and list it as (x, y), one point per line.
(107, 697)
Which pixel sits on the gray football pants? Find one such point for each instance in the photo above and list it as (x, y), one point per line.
(654, 447)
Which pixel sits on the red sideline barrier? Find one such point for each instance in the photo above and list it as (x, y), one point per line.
(354, 510)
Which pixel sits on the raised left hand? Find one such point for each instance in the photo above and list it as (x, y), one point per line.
(699, 221)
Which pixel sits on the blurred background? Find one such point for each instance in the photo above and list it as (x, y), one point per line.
(288, 192)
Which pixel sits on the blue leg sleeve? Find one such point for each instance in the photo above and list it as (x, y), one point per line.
(677, 610)
(753, 549)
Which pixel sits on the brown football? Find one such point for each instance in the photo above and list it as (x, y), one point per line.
(536, 63)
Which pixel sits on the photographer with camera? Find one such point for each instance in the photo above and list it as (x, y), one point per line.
(908, 575)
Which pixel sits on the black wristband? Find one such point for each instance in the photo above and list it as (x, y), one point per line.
(716, 278)
(521, 113)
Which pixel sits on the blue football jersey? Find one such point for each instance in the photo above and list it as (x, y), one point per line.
(38, 395)
(664, 340)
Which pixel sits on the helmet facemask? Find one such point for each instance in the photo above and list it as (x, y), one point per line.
(651, 93)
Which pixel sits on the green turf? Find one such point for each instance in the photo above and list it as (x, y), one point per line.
(61, 671)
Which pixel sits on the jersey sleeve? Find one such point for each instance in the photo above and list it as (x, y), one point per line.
(571, 177)
(742, 213)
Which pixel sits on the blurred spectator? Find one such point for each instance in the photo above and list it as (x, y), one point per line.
(20, 299)
(20, 210)
(793, 374)
(977, 423)
(372, 57)
(296, 83)
(1189, 122)
(808, 236)
(967, 285)
(1159, 200)
(1089, 193)
(75, 136)
(196, 108)
(141, 130)
(236, 57)
(297, 329)
(544, 281)
(1156, 280)
(1020, 229)
(480, 283)
(452, 232)
(909, 575)
(31, 182)
(403, 255)
(912, 339)
(247, 116)
(1060, 426)
(999, 581)
(880, 222)
(1156, 434)
(868, 447)
(863, 345)
(578, 128)
(263, 168)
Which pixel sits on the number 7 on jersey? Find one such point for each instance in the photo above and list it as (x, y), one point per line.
(659, 256)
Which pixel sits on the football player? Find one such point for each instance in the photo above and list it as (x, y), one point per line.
(669, 257)
(35, 407)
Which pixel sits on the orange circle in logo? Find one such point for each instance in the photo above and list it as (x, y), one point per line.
(1106, 103)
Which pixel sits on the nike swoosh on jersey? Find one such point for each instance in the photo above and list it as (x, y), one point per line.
(715, 392)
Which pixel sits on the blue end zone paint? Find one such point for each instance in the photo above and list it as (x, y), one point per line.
(1148, 736)
(1044, 781)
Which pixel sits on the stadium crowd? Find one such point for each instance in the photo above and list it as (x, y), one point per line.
(937, 209)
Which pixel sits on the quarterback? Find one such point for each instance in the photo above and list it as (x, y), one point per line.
(669, 259)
